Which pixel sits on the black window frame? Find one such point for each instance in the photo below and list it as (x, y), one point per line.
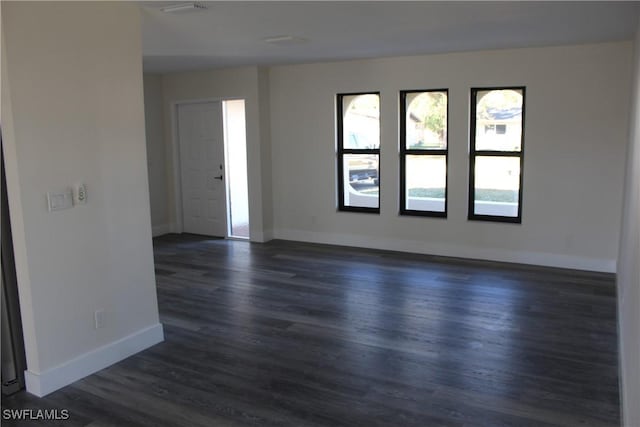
(404, 152)
(341, 151)
(473, 154)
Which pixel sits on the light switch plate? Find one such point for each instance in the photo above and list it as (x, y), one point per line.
(80, 196)
(59, 200)
(98, 317)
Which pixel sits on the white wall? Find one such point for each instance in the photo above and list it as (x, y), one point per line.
(75, 114)
(629, 266)
(156, 158)
(264, 91)
(235, 83)
(576, 133)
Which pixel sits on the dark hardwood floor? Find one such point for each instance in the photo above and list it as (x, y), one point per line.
(294, 334)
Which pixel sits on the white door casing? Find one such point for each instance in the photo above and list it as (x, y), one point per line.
(201, 142)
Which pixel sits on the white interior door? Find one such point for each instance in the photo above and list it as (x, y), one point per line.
(201, 135)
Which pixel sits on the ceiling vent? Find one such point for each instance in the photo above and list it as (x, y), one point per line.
(284, 40)
(184, 7)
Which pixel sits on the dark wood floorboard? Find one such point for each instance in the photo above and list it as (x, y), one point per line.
(296, 334)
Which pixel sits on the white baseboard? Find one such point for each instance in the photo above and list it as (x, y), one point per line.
(262, 236)
(43, 383)
(422, 247)
(159, 230)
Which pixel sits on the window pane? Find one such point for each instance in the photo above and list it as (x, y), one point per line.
(497, 183)
(361, 121)
(426, 120)
(361, 186)
(426, 180)
(499, 120)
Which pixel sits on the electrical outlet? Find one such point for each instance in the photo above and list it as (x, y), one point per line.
(99, 318)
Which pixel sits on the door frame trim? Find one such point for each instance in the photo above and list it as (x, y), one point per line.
(176, 169)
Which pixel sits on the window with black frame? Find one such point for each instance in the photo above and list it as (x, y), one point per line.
(423, 152)
(358, 154)
(496, 154)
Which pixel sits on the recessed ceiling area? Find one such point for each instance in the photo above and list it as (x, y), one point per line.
(228, 34)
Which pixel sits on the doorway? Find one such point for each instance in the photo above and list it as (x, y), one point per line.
(201, 139)
(12, 348)
(235, 141)
(213, 168)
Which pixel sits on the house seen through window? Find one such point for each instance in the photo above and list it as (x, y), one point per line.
(358, 135)
(423, 152)
(496, 154)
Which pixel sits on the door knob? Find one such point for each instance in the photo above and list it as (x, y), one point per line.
(218, 177)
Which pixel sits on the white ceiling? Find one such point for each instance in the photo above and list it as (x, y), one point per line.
(230, 33)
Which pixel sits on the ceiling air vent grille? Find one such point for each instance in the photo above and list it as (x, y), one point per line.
(184, 7)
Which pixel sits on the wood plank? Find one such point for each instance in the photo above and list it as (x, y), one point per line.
(297, 334)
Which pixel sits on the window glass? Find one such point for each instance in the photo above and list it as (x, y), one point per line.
(361, 187)
(497, 183)
(426, 182)
(358, 152)
(423, 152)
(496, 156)
(361, 121)
(426, 120)
(499, 120)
